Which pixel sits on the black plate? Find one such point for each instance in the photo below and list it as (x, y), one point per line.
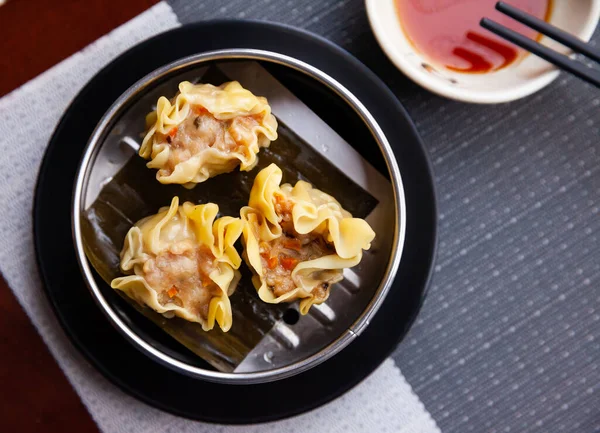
(153, 383)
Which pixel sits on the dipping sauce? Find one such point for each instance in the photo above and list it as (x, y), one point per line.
(448, 32)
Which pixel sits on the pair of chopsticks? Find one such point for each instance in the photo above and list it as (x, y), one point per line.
(564, 62)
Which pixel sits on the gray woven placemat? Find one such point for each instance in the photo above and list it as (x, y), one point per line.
(509, 337)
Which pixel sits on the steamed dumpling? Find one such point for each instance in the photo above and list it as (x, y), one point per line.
(298, 240)
(183, 263)
(205, 131)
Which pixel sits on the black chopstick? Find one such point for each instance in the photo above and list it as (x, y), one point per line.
(564, 62)
(567, 39)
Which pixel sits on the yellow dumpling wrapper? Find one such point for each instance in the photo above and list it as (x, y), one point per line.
(303, 230)
(206, 130)
(183, 262)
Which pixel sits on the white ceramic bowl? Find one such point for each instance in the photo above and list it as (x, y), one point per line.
(522, 78)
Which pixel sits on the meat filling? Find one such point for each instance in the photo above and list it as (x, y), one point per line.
(200, 131)
(280, 256)
(180, 275)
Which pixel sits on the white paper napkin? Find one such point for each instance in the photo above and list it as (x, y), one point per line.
(382, 403)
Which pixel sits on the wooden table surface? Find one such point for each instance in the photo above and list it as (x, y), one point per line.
(37, 34)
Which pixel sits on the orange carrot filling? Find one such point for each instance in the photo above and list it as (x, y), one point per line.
(198, 109)
(292, 244)
(289, 263)
(272, 262)
(172, 292)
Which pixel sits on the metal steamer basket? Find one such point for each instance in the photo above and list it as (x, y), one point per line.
(114, 189)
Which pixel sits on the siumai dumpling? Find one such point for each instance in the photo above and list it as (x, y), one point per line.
(183, 262)
(206, 130)
(298, 240)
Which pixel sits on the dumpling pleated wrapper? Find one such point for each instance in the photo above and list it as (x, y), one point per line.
(205, 131)
(184, 263)
(298, 240)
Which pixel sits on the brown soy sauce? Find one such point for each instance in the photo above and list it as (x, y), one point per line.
(447, 32)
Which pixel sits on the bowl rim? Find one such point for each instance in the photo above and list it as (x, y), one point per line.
(440, 88)
(92, 148)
